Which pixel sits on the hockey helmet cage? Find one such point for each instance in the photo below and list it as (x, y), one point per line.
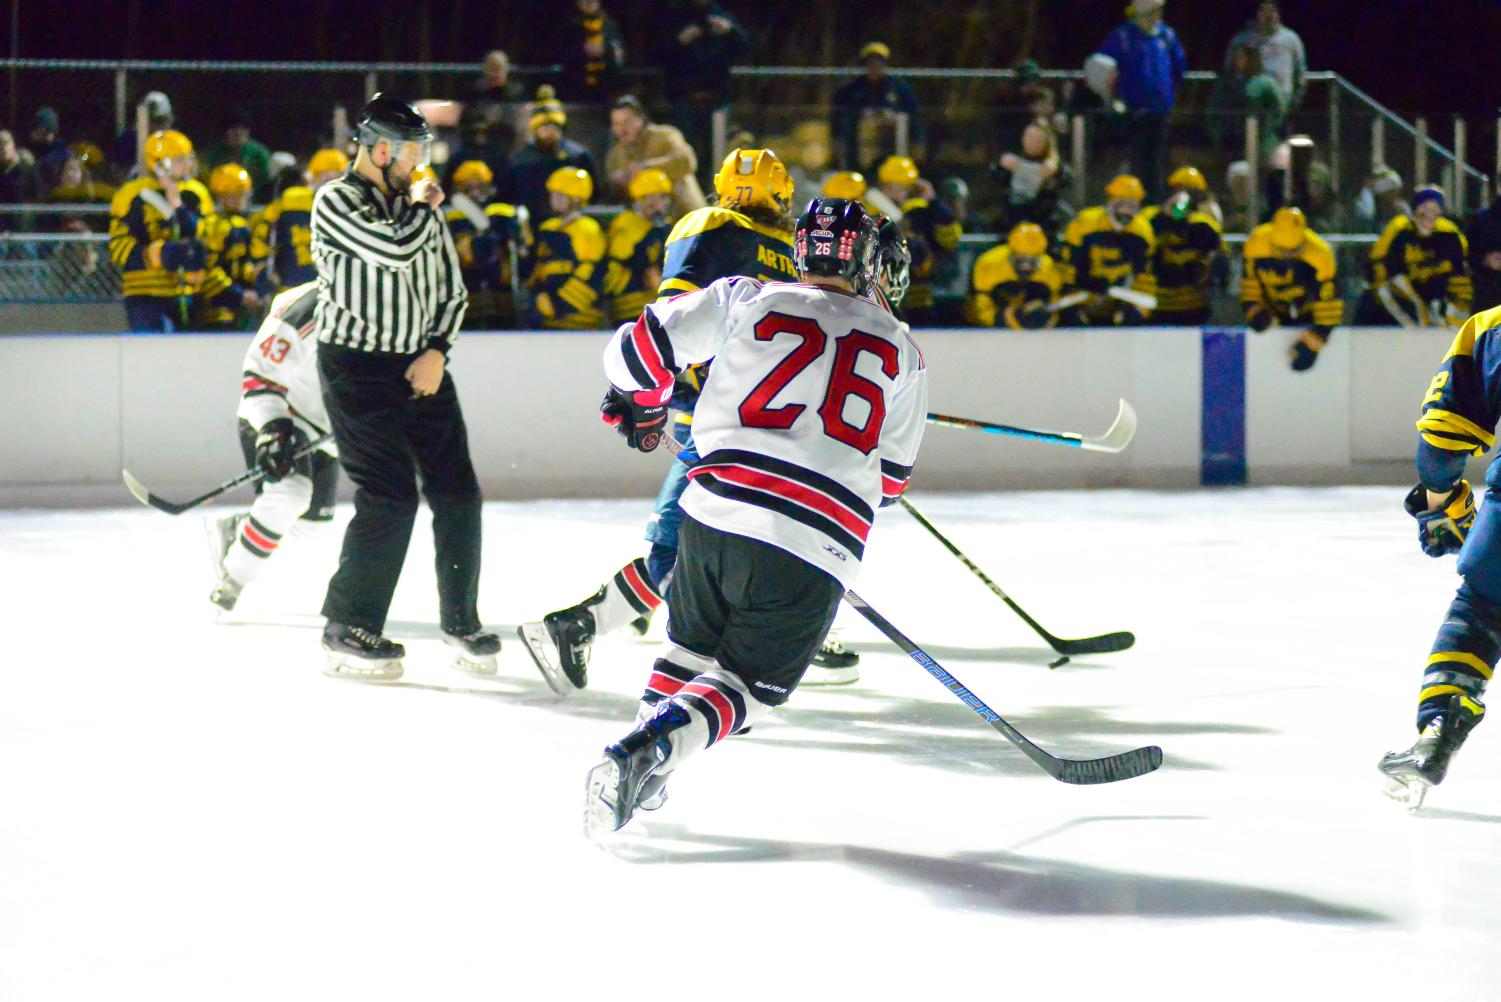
(574, 182)
(650, 181)
(837, 237)
(893, 260)
(753, 178)
(846, 184)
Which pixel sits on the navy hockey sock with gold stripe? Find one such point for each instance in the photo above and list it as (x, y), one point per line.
(1464, 657)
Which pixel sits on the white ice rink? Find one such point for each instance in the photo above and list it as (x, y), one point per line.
(192, 811)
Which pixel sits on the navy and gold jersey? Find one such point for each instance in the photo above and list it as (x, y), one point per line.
(1463, 404)
(998, 295)
(1183, 254)
(485, 251)
(1294, 288)
(1436, 265)
(1097, 256)
(138, 226)
(635, 269)
(568, 272)
(936, 229)
(281, 239)
(230, 270)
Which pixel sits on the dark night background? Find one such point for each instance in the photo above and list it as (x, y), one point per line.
(1428, 57)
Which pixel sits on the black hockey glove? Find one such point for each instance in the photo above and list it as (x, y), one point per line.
(1443, 529)
(275, 445)
(1258, 318)
(189, 255)
(1305, 351)
(641, 425)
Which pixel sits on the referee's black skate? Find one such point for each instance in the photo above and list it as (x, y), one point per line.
(572, 631)
(631, 775)
(474, 652)
(360, 654)
(1410, 774)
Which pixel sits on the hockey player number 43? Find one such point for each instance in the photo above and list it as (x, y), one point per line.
(756, 410)
(275, 348)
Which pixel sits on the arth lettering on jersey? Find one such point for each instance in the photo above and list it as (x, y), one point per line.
(810, 418)
(281, 367)
(713, 243)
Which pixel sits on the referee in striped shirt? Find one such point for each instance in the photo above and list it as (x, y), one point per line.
(390, 301)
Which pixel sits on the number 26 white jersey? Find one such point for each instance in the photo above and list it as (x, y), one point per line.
(810, 419)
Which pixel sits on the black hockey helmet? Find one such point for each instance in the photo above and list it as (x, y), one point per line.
(388, 117)
(893, 260)
(836, 236)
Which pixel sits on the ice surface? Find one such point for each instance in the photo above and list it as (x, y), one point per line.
(191, 810)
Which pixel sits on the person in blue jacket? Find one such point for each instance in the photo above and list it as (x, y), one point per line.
(1149, 63)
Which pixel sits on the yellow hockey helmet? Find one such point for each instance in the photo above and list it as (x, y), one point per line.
(845, 184)
(1125, 186)
(473, 170)
(1289, 228)
(650, 181)
(749, 178)
(229, 179)
(91, 155)
(423, 172)
(574, 182)
(1187, 178)
(164, 147)
(1027, 239)
(897, 170)
(327, 162)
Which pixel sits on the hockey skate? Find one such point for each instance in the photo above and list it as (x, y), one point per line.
(361, 655)
(1409, 775)
(474, 652)
(572, 633)
(631, 775)
(544, 654)
(834, 664)
(221, 536)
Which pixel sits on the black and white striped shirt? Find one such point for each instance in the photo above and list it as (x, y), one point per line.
(388, 274)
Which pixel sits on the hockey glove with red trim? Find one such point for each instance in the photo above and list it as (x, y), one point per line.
(1443, 529)
(640, 424)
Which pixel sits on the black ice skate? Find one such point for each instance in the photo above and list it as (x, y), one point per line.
(572, 632)
(474, 652)
(631, 774)
(834, 664)
(1410, 774)
(360, 654)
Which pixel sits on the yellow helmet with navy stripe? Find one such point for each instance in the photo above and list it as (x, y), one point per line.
(229, 179)
(574, 182)
(753, 178)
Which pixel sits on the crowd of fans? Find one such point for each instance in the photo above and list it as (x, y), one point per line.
(525, 195)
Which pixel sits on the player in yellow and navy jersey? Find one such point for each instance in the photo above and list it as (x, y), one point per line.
(1419, 269)
(227, 292)
(932, 232)
(1289, 279)
(1459, 417)
(568, 266)
(155, 238)
(1014, 283)
(1109, 247)
(1187, 248)
(636, 239)
(281, 235)
(492, 239)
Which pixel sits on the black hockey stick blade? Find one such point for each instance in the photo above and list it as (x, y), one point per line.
(1078, 772)
(1106, 643)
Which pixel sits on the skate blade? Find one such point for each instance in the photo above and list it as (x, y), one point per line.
(817, 675)
(482, 666)
(338, 666)
(539, 645)
(600, 787)
(1407, 791)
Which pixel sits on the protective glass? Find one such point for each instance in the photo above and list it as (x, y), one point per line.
(411, 153)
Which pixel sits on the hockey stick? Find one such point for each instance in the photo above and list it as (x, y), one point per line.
(1080, 772)
(144, 496)
(1119, 435)
(1104, 644)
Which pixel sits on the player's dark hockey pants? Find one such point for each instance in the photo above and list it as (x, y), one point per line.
(1468, 644)
(386, 438)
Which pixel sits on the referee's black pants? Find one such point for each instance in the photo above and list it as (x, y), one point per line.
(385, 439)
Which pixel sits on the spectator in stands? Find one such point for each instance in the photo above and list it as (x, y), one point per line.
(76, 186)
(1485, 253)
(484, 137)
(48, 150)
(1323, 208)
(158, 119)
(238, 148)
(1289, 279)
(1034, 178)
(1238, 201)
(493, 113)
(1279, 49)
(74, 263)
(549, 150)
(18, 184)
(641, 144)
(875, 98)
(1379, 201)
(1243, 90)
(1151, 62)
(1419, 271)
(700, 42)
(591, 51)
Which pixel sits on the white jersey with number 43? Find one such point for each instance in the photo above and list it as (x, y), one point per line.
(280, 377)
(810, 419)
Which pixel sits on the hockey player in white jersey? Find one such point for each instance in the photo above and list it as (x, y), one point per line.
(810, 419)
(280, 412)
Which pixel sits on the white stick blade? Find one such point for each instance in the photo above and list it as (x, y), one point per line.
(1120, 434)
(136, 488)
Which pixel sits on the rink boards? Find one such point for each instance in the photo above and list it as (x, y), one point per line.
(1215, 406)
